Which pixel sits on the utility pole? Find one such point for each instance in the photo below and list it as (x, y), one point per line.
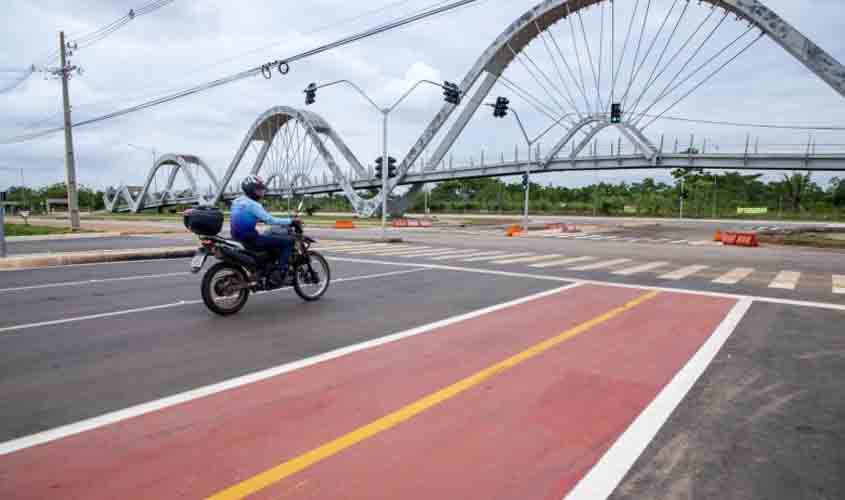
(70, 165)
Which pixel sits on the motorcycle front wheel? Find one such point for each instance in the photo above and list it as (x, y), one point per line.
(311, 282)
(223, 289)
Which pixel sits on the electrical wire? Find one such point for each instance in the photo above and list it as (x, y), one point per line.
(281, 65)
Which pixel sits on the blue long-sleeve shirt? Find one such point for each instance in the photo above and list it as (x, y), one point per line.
(246, 213)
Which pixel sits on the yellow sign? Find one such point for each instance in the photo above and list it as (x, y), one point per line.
(752, 210)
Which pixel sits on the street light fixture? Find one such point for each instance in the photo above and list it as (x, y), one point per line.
(451, 94)
(500, 110)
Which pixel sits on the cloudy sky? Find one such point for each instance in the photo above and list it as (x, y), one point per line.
(190, 42)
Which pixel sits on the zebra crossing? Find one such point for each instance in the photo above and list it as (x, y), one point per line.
(788, 280)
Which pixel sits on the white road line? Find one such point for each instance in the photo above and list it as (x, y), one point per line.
(91, 281)
(409, 249)
(456, 253)
(679, 242)
(362, 248)
(734, 276)
(459, 255)
(605, 476)
(476, 254)
(341, 248)
(520, 260)
(123, 312)
(786, 280)
(116, 262)
(427, 253)
(375, 249)
(495, 257)
(641, 268)
(546, 277)
(682, 273)
(563, 262)
(201, 392)
(838, 283)
(600, 265)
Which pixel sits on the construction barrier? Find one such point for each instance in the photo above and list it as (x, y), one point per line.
(411, 223)
(559, 227)
(717, 236)
(344, 224)
(740, 239)
(513, 230)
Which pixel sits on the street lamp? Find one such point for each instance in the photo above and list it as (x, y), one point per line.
(500, 110)
(451, 94)
(153, 151)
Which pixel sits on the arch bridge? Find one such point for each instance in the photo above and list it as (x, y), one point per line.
(651, 56)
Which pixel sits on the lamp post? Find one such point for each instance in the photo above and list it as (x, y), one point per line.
(500, 110)
(153, 151)
(451, 94)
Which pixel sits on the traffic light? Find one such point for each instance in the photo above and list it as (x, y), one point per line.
(616, 113)
(391, 167)
(451, 93)
(310, 93)
(379, 167)
(524, 181)
(500, 110)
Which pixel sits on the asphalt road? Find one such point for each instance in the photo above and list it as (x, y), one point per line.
(763, 421)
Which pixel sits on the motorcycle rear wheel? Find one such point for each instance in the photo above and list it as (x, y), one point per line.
(216, 289)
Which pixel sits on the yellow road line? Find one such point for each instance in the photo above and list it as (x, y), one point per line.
(309, 458)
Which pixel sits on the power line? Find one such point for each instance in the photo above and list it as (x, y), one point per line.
(89, 39)
(281, 65)
(160, 92)
(750, 125)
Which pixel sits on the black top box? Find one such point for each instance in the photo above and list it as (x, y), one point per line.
(204, 221)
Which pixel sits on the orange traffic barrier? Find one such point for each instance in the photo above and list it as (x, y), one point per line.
(344, 224)
(400, 222)
(747, 240)
(513, 230)
(740, 239)
(717, 236)
(556, 225)
(425, 223)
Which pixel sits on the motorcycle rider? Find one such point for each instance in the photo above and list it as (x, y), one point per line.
(247, 211)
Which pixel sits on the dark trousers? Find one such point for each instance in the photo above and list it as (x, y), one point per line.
(279, 245)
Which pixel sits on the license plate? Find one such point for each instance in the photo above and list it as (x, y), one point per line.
(198, 261)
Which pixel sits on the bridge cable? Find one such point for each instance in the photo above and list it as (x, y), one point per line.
(680, 51)
(574, 39)
(663, 92)
(641, 64)
(711, 75)
(550, 32)
(571, 100)
(662, 54)
(624, 51)
(830, 128)
(518, 56)
(590, 58)
(696, 71)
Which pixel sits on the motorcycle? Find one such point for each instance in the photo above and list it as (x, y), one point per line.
(226, 285)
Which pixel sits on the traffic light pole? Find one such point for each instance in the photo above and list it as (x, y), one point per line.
(530, 143)
(385, 113)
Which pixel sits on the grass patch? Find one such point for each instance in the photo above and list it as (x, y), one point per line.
(24, 230)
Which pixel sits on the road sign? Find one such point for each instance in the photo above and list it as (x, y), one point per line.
(752, 210)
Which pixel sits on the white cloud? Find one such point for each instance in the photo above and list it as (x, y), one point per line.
(191, 42)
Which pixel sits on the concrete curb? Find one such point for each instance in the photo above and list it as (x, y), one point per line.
(93, 257)
(60, 237)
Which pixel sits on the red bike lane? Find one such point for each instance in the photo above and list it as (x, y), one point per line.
(516, 403)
